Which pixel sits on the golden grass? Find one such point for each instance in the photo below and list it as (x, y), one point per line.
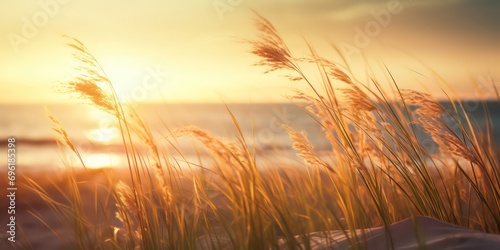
(376, 173)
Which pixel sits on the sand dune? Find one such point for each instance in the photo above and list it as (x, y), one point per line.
(417, 233)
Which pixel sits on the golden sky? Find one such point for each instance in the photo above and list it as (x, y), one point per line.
(190, 51)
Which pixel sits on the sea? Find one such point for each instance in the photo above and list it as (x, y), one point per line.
(96, 134)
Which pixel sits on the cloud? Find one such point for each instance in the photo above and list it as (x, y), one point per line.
(348, 10)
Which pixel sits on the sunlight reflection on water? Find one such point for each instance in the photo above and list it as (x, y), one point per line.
(101, 160)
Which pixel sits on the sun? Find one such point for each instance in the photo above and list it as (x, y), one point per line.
(104, 130)
(123, 82)
(96, 161)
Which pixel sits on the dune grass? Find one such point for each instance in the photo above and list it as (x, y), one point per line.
(377, 172)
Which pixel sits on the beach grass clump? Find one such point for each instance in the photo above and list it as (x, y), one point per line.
(376, 150)
(376, 172)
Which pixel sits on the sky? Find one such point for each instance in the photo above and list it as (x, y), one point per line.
(191, 51)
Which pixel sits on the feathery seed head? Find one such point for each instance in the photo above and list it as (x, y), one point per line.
(271, 48)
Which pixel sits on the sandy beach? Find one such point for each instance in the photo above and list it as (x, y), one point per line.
(38, 227)
(415, 233)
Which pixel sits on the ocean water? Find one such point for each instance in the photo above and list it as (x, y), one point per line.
(97, 136)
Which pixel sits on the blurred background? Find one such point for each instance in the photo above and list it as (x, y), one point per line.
(177, 56)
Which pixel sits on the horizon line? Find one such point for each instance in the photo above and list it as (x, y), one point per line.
(212, 102)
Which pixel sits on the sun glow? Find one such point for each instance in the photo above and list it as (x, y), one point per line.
(123, 80)
(103, 135)
(133, 82)
(101, 160)
(105, 131)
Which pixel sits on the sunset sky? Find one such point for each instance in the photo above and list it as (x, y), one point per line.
(190, 51)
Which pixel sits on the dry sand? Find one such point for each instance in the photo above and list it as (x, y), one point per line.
(416, 233)
(38, 227)
(53, 234)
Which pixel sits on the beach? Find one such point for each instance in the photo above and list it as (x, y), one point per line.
(39, 227)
